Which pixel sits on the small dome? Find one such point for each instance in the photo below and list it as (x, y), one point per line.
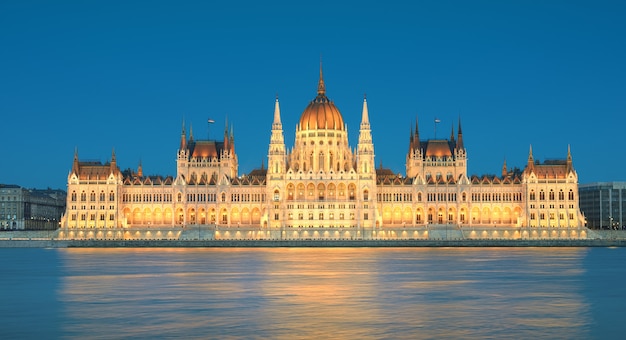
(321, 112)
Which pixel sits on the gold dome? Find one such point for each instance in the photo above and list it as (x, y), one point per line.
(321, 112)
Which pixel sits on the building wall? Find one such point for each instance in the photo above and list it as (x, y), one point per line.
(604, 204)
(323, 184)
(30, 209)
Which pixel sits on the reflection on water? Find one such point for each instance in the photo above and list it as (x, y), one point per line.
(347, 293)
(323, 293)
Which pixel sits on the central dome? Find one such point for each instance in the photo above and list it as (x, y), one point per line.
(321, 113)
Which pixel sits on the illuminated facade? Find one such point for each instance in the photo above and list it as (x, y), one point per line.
(321, 188)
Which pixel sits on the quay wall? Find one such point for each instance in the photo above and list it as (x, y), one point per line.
(306, 243)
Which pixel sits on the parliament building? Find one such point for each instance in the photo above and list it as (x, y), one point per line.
(322, 188)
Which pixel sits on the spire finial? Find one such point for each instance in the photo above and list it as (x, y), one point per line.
(321, 88)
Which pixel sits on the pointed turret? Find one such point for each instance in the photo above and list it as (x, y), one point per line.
(459, 142)
(190, 133)
(452, 134)
(75, 165)
(531, 161)
(570, 166)
(113, 161)
(232, 140)
(416, 138)
(277, 152)
(226, 137)
(183, 138)
(365, 148)
(504, 170)
(411, 140)
(140, 170)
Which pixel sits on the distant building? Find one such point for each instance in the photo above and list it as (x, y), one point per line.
(30, 209)
(322, 188)
(604, 204)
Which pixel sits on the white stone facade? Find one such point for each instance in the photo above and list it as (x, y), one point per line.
(321, 188)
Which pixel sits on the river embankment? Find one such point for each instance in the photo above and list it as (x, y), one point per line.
(42, 243)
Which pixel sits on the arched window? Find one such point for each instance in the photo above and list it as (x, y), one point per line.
(179, 197)
(351, 188)
(532, 195)
(366, 195)
(73, 196)
(92, 196)
(561, 195)
(551, 195)
(102, 196)
(111, 196)
(276, 195)
(571, 195)
(542, 195)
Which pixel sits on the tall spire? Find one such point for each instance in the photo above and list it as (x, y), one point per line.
(113, 161)
(75, 165)
(276, 156)
(416, 138)
(183, 138)
(570, 167)
(459, 142)
(365, 115)
(277, 112)
(321, 89)
(190, 132)
(365, 148)
(531, 161)
(504, 169)
(452, 134)
(140, 169)
(226, 137)
(232, 140)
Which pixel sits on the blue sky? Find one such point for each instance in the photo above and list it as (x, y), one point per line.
(103, 75)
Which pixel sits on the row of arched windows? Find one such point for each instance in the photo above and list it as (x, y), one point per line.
(551, 195)
(321, 192)
(92, 196)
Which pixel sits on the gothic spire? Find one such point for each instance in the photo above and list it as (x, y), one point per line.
(570, 167)
(183, 138)
(416, 137)
(321, 88)
(113, 161)
(140, 169)
(531, 161)
(277, 113)
(75, 165)
(452, 134)
(459, 142)
(365, 115)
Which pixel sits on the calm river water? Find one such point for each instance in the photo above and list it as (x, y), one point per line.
(313, 293)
